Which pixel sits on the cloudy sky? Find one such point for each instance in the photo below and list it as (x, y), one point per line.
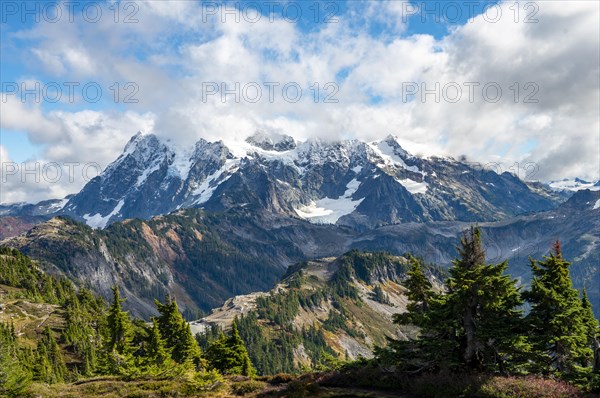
(507, 82)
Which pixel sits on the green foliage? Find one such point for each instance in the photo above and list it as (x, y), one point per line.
(281, 309)
(49, 366)
(85, 317)
(420, 295)
(228, 354)
(177, 334)
(558, 328)
(156, 355)
(118, 349)
(475, 324)
(19, 271)
(592, 333)
(14, 374)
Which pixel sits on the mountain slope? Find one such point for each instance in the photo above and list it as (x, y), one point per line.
(205, 258)
(337, 307)
(151, 259)
(353, 183)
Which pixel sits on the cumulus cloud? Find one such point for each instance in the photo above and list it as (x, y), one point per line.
(547, 71)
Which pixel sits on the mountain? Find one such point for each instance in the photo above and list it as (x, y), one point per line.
(204, 258)
(352, 183)
(341, 306)
(576, 184)
(43, 208)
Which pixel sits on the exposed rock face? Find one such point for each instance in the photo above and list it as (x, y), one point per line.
(205, 258)
(362, 322)
(352, 183)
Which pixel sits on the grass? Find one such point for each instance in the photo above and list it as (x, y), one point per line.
(449, 385)
(357, 383)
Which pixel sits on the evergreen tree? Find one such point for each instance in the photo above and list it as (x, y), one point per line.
(14, 375)
(177, 334)
(119, 334)
(419, 294)
(476, 323)
(186, 349)
(239, 348)
(229, 355)
(49, 366)
(557, 327)
(483, 303)
(591, 331)
(169, 321)
(156, 355)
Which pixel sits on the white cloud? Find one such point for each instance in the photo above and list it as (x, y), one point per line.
(172, 51)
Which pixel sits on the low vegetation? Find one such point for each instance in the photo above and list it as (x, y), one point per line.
(473, 339)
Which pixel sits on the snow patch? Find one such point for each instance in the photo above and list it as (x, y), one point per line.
(208, 187)
(596, 205)
(386, 152)
(573, 185)
(98, 221)
(329, 211)
(58, 205)
(412, 186)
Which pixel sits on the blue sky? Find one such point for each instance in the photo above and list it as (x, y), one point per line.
(434, 18)
(373, 52)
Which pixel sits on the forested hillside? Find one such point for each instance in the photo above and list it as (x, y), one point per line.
(57, 340)
(323, 312)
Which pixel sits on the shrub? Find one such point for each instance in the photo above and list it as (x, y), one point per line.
(247, 387)
(204, 381)
(526, 387)
(281, 378)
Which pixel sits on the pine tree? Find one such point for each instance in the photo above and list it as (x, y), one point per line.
(14, 375)
(49, 366)
(419, 295)
(119, 334)
(483, 301)
(156, 354)
(476, 323)
(177, 334)
(591, 331)
(229, 355)
(186, 349)
(169, 321)
(239, 348)
(557, 328)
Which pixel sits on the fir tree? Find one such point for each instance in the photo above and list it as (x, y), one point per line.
(419, 295)
(186, 349)
(484, 304)
(49, 366)
(119, 334)
(156, 354)
(229, 355)
(476, 323)
(177, 334)
(557, 327)
(14, 375)
(169, 321)
(591, 331)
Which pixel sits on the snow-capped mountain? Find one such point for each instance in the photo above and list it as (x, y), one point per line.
(575, 184)
(353, 183)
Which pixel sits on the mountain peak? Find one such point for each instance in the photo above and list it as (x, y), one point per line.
(272, 141)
